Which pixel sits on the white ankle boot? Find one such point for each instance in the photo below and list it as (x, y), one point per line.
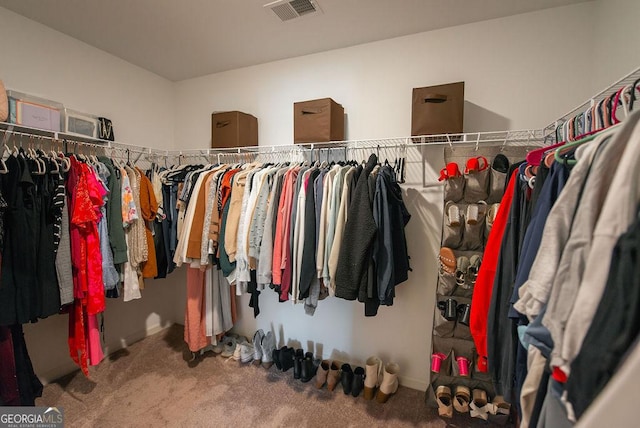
(373, 377)
(389, 384)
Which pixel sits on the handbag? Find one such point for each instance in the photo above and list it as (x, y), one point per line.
(105, 129)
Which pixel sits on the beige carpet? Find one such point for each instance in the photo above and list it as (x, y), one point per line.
(150, 384)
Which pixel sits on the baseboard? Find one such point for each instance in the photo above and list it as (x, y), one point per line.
(135, 336)
(413, 383)
(69, 366)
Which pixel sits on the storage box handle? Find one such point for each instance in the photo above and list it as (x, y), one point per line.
(222, 124)
(312, 111)
(435, 98)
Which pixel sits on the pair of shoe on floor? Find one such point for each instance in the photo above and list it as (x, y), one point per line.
(240, 349)
(356, 380)
(303, 364)
(262, 350)
(476, 403)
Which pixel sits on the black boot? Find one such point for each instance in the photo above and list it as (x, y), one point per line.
(275, 355)
(286, 358)
(297, 363)
(309, 367)
(347, 378)
(358, 381)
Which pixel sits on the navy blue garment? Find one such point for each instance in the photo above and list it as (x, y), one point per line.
(502, 338)
(173, 223)
(166, 228)
(549, 193)
(538, 335)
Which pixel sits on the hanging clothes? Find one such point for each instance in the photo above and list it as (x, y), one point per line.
(360, 230)
(29, 288)
(148, 210)
(85, 203)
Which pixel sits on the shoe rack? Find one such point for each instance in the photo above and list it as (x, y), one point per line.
(474, 182)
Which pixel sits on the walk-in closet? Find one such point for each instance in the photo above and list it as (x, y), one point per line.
(319, 213)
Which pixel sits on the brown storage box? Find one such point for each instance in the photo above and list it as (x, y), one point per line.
(233, 129)
(318, 121)
(438, 109)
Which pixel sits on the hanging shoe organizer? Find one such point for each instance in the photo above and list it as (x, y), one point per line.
(474, 181)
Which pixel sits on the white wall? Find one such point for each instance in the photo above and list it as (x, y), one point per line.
(616, 34)
(43, 62)
(511, 83)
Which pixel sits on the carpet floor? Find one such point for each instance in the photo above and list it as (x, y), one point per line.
(150, 384)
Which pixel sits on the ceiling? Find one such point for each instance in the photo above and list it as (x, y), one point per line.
(190, 38)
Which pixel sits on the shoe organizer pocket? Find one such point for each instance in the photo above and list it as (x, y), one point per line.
(454, 189)
(461, 330)
(446, 283)
(441, 362)
(474, 227)
(476, 186)
(476, 374)
(496, 186)
(453, 225)
(460, 364)
(442, 326)
(466, 289)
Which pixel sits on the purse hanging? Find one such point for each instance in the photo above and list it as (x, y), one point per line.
(105, 129)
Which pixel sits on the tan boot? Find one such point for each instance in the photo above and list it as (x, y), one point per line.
(333, 378)
(373, 377)
(389, 384)
(322, 374)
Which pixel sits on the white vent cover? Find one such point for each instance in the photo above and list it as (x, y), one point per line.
(290, 9)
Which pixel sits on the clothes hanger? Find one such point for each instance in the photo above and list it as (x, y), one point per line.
(618, 100)
(633, 94)
(535, 156)
(585, 139)
(3, 165)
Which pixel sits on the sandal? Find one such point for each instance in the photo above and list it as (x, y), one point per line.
(447, 260)
(461, 270)
(443, 397)
(462, 398)
(474, 268)
(480, 407)
(501, 407)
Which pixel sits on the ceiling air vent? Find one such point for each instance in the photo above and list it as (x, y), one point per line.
(290, 9)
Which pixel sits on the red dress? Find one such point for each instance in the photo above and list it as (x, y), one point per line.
(85, 200)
